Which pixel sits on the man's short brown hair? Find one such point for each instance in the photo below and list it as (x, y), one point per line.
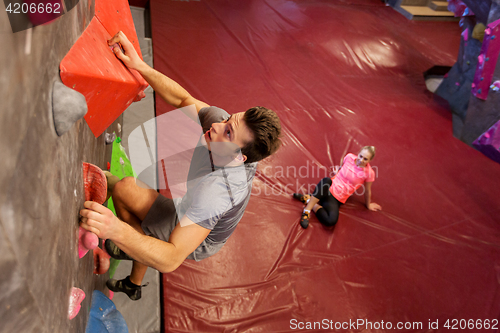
(265, 126)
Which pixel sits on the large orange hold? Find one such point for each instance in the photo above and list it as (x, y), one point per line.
(91, 68)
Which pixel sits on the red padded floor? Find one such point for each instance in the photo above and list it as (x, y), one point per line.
(341, 75)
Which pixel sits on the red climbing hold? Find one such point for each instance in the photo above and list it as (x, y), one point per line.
(101, 261)
(95, 189)
(95, 183)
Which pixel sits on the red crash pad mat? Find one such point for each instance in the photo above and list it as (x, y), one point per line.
(91, 68)
(341, 75)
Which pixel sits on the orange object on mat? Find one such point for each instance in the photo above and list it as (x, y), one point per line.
(91, 67)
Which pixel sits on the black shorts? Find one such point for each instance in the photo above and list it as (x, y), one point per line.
(161, 221)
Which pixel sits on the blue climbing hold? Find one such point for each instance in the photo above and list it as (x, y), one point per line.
(104, 317)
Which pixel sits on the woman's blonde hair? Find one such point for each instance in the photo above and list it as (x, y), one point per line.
(371, 150)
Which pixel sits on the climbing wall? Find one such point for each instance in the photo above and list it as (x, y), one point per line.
(472, 86)
(41, 182)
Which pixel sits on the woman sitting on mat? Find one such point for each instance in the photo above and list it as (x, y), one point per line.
(331, 192)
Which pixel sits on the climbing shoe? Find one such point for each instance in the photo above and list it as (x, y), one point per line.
(126, 286)
(304, 198)
(304, 219)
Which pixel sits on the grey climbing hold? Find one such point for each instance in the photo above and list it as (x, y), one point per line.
(109, 138)
(68, 106)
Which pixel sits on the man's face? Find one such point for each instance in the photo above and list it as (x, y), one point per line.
(223, 139)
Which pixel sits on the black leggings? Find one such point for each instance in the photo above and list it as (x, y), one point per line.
(329, 214)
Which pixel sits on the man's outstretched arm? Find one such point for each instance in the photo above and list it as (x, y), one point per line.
(161, 255)
(172, 92)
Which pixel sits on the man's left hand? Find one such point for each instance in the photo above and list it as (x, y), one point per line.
(99, 220)
(374, 207)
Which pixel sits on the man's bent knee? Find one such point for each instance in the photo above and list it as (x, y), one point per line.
(127, 182)
(134, 198)
(124, 187)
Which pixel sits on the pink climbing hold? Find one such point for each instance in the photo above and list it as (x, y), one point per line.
(488, 143)
(480, 58)
(87, 240)
(75, 299)
(465, 34)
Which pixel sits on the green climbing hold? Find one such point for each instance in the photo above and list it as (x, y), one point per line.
(120, 167)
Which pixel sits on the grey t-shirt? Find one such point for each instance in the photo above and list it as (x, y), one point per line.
(216, 196)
